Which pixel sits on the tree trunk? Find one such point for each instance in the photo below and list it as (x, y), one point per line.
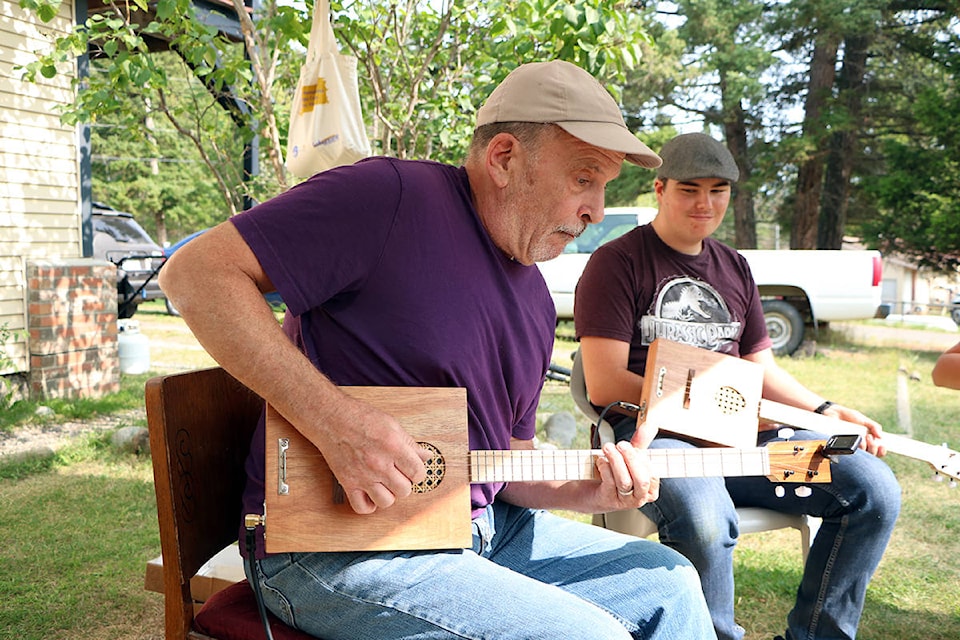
(803, 233)
(744, 216)
(843, 143)
(159, 219)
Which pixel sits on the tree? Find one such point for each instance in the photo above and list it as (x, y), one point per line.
(915, 186)
(844, 140)
(711, 69)
(428, 65)
(847, 109)
(128, 82)
(156, 172)
(738, 52)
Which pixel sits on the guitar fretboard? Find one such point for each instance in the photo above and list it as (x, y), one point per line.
(557, 465)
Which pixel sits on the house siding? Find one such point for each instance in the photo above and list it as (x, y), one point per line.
(47, 289)
(39, 175)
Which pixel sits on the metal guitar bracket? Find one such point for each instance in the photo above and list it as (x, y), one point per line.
(660, 378)
(282, 487)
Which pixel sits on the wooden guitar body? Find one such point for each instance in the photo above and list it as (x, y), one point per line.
(707, 397)
(307, 515)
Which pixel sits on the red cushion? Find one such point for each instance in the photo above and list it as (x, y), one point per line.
(231, 614)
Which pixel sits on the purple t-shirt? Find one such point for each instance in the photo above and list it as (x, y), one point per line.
(390, 279)
(636, 289)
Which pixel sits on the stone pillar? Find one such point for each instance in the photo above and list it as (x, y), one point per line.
(72, 323)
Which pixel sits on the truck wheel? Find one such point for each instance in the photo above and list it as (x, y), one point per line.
(784, 324)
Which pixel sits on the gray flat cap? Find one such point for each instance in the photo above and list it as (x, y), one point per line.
(696, 155)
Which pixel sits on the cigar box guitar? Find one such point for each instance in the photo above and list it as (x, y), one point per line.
(715, 400)
(303, 511)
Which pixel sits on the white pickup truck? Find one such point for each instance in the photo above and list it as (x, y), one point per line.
(798, 288)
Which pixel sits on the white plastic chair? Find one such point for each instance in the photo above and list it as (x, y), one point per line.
(634, 522)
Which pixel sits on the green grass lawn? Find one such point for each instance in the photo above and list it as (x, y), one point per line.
(79, 527)
(76, 540)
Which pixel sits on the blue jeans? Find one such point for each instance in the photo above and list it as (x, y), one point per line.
(529, 575)
(859, 507)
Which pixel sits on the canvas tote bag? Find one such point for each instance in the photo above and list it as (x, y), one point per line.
(326, 124)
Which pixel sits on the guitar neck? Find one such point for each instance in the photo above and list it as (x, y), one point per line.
(771, 411)
(943, 460)
(562, 465)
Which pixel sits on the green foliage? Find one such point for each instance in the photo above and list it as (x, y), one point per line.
(5, 336)
(205, 93)
(918, 195)
(46, 9)
(6, 363)
(155, 172)
(428, 65)
(425, 66)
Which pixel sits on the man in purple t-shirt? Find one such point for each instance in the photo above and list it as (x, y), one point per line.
(669, 279)
(407, 273)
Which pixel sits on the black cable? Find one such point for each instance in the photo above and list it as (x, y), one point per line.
(619, 404)
(251, 541)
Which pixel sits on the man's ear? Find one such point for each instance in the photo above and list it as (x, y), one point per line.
(502, 150)
(659, 186)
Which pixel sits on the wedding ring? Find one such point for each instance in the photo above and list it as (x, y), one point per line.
(625, 493)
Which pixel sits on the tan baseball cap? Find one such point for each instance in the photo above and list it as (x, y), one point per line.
(563, 94)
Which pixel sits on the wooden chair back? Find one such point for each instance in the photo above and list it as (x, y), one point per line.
(200, 423)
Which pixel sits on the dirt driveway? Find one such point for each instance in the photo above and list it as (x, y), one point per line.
(904, 337)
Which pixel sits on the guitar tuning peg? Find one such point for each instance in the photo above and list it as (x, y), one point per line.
(937, 477)
(952, 484)
(779, 491)
(803, 492)
(786, 433)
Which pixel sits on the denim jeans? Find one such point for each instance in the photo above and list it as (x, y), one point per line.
(859, 507)
(529, 575)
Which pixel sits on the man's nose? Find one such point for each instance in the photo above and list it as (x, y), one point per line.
(592, 213)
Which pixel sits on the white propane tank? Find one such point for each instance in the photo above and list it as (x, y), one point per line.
(134, 347)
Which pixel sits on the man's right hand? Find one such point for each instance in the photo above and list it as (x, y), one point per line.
(370, 454)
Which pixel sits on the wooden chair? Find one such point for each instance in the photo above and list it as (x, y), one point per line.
(634, 522)
(200, 426)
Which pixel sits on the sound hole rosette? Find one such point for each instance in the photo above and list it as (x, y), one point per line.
(729, 401)
(436, 468)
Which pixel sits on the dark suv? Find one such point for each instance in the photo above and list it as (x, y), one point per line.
(118, 238)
